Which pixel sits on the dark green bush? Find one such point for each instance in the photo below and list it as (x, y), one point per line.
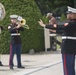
(32, 38)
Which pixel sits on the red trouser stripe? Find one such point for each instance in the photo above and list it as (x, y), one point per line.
(65, 67)
(10, 54)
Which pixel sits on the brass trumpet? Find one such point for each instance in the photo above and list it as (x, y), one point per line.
(23, 24)
(2, 12)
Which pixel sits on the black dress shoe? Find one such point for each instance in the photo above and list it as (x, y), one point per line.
(1, 64)
(11, 67)
(21, 67)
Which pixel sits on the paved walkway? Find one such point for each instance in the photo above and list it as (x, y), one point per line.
(37, 64)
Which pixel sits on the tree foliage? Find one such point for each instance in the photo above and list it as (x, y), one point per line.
(54, 5)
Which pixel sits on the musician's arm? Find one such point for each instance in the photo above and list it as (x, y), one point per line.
(58, 29)
(50, 27)
(54, 26)
(12, 29)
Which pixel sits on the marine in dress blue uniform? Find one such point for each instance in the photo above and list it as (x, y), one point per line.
(68, 49)
(15, 41)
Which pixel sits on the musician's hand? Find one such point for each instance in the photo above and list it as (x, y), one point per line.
(41, 23)
(65, 24)
(55, 26)
(18, 26)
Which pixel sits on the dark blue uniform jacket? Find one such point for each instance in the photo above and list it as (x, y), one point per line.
(15, 39)
(68, 45)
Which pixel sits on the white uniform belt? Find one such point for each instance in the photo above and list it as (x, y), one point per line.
(68, 37)
(52, 34)
(14, 34)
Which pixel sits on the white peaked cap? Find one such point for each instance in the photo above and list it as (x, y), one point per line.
(13, 16)
(71, 10)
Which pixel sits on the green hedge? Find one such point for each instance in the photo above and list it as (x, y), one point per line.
(32, 38)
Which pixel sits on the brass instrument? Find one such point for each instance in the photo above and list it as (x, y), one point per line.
(2, 12)
(22, 22)
(2, 16)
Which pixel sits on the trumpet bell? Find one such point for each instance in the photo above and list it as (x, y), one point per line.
(23, 21)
